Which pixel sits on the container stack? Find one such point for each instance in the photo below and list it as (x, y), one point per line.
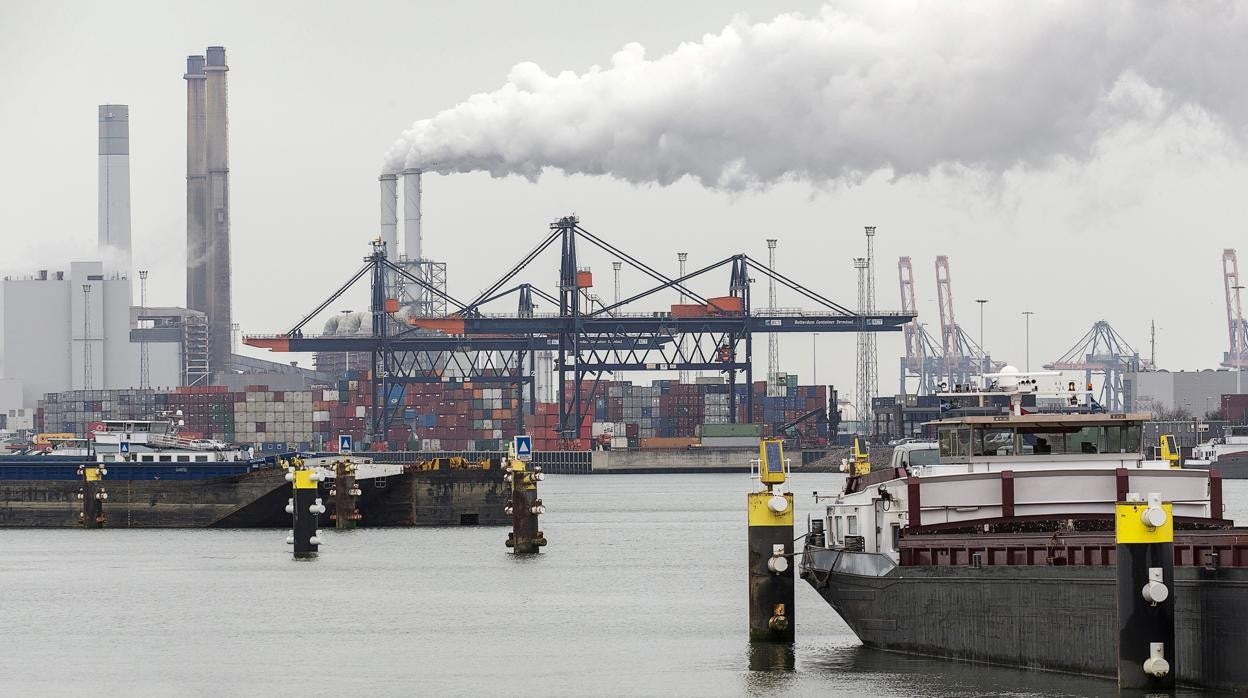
(75, 411)
(274, 420)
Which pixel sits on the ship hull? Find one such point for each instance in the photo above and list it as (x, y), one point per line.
(256, 499)
(1232, 466)
(1054, 618)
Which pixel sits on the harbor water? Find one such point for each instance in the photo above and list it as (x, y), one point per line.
(641, 592)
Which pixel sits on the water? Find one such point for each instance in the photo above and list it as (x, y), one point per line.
(640, 592)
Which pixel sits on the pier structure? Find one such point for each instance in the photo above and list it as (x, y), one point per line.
(1144, 532)
(771, 578)
(305, 508)
(524, 507)
(92, 495)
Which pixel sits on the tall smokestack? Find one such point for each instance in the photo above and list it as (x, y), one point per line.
(390, 214)
(217, 130)
(411, 214)
(196, 187)
(114, 199)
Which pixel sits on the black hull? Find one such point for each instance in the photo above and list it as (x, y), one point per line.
(1053, 618)
(257, 500)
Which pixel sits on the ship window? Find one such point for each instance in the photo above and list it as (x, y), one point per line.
(994, 442)
(896, 531)
(201, 459)
(184, 459)
(837, 535)
(165, 459)
(851, 525)
(955, 442)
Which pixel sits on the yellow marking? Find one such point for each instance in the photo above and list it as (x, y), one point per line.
(304, 481)
(1130, 528)
(765, 473)
(862, 459)
(1169, 452)
(92, 474)
(762, 515)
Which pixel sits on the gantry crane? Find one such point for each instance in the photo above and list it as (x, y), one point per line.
(1102, 353)
(1236, 355)
(924, 358)
(588, 340)
(963, 358)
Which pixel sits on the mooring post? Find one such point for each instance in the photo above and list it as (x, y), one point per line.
(92, 495)
(524, 507)
(1145, 561)
(305, 509)
(343, 494)
(770, 516)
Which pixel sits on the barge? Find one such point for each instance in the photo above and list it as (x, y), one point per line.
(1003, 551)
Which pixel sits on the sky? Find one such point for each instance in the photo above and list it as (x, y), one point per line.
(1081, 161)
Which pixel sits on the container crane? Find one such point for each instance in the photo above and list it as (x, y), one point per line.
(1236, 355)
(587, 338)
(963, 358)
(924, 358)
(1102, 352)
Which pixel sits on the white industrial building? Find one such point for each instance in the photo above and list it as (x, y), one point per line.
(1196, 392)
(72, 331)
(76, 329)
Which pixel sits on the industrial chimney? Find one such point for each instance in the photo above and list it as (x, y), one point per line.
(216, 110)
(390, 214)
(196, 186)
(114, 181)
(411, 214)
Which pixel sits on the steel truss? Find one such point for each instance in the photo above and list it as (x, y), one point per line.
(589, 339)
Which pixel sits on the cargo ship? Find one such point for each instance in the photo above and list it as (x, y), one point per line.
(1003, 551)
(153, 477)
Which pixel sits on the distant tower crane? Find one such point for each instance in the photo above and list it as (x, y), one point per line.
(1237, 352)
(923, 359)
(963, 357)
(1104, 353)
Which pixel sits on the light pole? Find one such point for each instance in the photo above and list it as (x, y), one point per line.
(983, 354)
(1027, 319)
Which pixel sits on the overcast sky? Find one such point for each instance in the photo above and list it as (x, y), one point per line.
(1066, 166)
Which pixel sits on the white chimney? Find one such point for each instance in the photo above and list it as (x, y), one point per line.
(390, 214)
(411, 214)
(114, 199)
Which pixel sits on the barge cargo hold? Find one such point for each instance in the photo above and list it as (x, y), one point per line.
(43, 492)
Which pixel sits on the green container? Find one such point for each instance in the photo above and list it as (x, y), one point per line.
(717, 430)
(792, 380)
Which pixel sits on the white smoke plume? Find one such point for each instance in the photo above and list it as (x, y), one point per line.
(860, 88)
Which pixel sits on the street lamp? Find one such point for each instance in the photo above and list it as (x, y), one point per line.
(983, 354)
(1027, 318)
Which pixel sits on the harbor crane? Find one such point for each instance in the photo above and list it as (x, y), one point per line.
(963, 358)
(924, 357)
(1236, 356)
(588, 340)
(1103, 353)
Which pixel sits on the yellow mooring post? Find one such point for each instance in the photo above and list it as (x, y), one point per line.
(1145, 560)
(770, 514)
(304, 508)
(523, 507)
(92, 495)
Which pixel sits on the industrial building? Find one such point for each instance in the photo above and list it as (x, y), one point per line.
(1197, 393)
